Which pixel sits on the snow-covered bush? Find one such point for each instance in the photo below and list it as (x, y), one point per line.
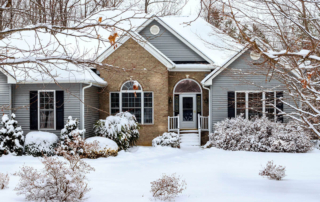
(122, 128)
(273, 172)
(167, 187)
(260, 135)
(96, 147)
(4, 180)
(71, 138)
(40, 143)
(167, 139)
(11, 136)
(58, 181)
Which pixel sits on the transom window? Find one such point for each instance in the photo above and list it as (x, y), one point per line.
(187, 86)
(132, 99)
(252, 104)
(46, 114)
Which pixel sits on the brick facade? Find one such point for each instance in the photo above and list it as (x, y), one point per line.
(139, 65)
(153, 76)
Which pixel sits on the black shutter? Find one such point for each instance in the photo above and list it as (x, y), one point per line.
(59, 110)
(279, 105)
(176, 105)
(231, 105)
(33, 110)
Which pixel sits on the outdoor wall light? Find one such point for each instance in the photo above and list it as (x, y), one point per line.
(206, 100)
(170, 100)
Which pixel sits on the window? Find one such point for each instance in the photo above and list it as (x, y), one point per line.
(46, 109)
(132, 99)
(252, 104)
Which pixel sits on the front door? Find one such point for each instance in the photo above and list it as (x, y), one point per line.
(188, 115)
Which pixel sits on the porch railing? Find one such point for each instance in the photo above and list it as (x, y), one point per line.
(174, 124)
(203, 125)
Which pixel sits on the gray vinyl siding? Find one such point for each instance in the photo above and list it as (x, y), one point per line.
(91, 112)
(5, 93)
(170, 45)
(229, 80)
(21, 94)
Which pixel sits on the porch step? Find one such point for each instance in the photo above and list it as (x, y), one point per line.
(189, 139)
(189, 131)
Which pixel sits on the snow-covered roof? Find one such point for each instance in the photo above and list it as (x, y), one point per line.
(28, 47)
(57, 72)
(208, 79)
(212, 44)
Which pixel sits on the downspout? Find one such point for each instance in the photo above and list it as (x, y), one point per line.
(82, 107)
(210, 108)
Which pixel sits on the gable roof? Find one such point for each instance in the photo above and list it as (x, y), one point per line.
(207, 81)
(210, 43)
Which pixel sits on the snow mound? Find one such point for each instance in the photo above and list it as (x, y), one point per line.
(40, 137)
(104, 142)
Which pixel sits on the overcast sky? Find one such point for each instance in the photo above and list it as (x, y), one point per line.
(191, 8)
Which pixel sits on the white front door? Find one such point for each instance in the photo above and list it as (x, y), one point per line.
(188, 114)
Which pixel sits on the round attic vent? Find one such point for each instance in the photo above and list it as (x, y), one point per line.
(255, 55)
(154, 29)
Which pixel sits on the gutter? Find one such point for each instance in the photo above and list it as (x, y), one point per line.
(210, 108)
(82, 106)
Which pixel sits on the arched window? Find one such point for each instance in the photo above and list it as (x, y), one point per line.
(187, 86)
(133, 99)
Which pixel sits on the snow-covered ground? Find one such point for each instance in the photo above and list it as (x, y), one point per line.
(211, 175)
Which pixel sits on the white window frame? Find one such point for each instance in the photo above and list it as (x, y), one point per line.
(263, 101)
(142, 101)
(54, 110)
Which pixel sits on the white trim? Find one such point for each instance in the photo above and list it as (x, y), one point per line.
(142, 42)
(189, 93)
(54, 109)
(193, 68)
(174, 89)
(207, 81)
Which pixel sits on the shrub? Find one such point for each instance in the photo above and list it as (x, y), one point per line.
(71, 141)
(90, 149)
(273, 172)
(4, 181)
(260, 135)
(121, 128)
(40, 143)
(167, 187)
(11, 136)
(167, 139)
(58, 181)
(93, 151)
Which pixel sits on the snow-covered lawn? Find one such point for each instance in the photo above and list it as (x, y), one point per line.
(211, 175)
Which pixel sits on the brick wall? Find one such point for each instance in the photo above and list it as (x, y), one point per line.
(139, 65)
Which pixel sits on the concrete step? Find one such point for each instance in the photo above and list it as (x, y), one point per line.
(189, 131)
(189, 139)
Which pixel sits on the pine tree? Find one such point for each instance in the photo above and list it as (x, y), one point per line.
(11, 136)
(71, 137)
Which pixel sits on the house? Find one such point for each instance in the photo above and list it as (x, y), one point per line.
(173, 76)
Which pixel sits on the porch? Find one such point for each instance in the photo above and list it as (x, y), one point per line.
(189, 136)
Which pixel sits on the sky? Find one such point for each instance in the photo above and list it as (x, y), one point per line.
(191, 8)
